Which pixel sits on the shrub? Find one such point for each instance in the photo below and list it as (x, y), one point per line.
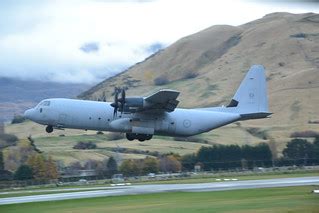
(281, 64)
(189, 75)
(193, 139)
(7, 140)
(161, 80)
(304, 134)
(18, 119)
(116, 136)
(85, 145)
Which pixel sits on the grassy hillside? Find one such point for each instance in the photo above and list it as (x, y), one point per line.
(60, 143)
(208, 66)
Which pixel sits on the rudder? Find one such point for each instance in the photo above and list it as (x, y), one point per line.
(251, 96)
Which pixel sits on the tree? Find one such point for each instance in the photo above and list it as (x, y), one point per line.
(38, 165)
(91, 164)
(24, 172)
(1, 161)
(298, 149)
(316, 148)
(188, 161)
(111, 166)
(5, 175)
(170, 164)
(74, 166)
(263, 154)
(129, 168)
(52, 170)
(150, 165)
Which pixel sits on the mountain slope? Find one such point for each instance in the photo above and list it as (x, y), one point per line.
(18, 95)
(208, 66)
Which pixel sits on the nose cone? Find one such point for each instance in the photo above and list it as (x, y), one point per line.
(27, 114)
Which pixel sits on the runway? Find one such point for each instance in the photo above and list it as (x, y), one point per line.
(157, 188)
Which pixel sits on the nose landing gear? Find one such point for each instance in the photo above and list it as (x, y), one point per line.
(49, 129)
(140, 137)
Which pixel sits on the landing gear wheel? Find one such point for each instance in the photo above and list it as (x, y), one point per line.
(148, 137)
(49, 129)
(141, 139)
(129, 137)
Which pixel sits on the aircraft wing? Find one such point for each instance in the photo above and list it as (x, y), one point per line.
(163, 100)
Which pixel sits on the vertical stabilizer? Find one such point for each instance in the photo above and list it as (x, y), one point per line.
(251, 96)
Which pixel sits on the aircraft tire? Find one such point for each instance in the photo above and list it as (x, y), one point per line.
(149, 137)
(130, 137)
(141, 139)
(49, 129)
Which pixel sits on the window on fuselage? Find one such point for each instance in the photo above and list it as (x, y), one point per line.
(43, 104)
(46, 103)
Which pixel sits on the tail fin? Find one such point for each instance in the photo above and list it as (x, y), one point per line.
(251, 99)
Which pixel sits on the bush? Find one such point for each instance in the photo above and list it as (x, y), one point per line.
(281, 64)
(193, 139)
(8, 140)
(161, 80)
(304, 134)
(190, 75)
(5, 175)
(116, 136)
(24, 172)
(18, 119)
(257, 132)
(85, 145)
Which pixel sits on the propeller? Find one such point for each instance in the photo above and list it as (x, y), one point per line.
(118, 103)
(103, 97)
(122, 100)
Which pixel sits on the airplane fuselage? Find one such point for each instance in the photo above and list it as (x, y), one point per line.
(95, 115)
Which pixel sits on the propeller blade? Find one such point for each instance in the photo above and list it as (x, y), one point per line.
(115, 104)
(103, 96)
(114, 112)
(122, 101)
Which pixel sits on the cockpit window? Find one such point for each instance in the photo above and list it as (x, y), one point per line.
(46, 103)
(43, 103)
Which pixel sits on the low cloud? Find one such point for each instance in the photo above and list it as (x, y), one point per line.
(90, 47)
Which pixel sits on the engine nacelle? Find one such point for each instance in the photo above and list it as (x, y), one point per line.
(137, 102)
(123, 124)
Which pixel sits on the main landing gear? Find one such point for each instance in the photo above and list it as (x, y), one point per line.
(140, 137)
(49, 129)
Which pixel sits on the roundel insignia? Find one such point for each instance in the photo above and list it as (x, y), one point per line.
(187, 123)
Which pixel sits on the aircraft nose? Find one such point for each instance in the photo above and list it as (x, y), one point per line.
(27, 114)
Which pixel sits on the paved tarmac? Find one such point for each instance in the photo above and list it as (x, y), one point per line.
(157, 188)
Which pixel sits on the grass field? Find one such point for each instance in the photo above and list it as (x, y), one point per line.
(288, 199)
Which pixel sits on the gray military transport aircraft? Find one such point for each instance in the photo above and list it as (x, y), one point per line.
(142, 117)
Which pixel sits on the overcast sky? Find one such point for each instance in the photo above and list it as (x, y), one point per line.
(85, 41)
